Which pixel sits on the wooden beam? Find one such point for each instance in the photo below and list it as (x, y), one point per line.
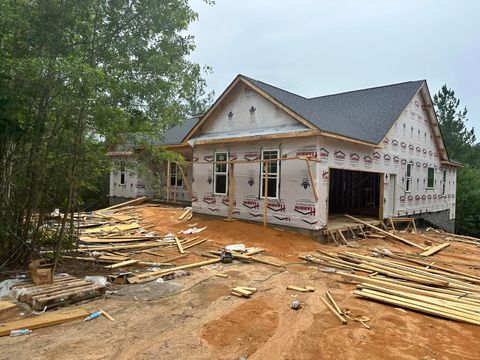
(121, 264)
(40, 321)
(385, 232)
(297, 134)
(169, 162)
(179, 245)
(381, 196)
(314, 187)
(129, 202)
(231, 190)
(189, 188)
(265, 194)
(334, 312)
(434, 249)
(175, 185)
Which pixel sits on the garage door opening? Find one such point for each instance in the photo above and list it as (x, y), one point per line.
(354, 193)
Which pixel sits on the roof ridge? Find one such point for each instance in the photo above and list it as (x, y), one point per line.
(273, 86)
(364, 89)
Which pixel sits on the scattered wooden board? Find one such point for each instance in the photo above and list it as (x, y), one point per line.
(41, 321)
(6, 305)
(434, 249)
(121, 264)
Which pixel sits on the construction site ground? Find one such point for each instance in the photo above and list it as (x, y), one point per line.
(196, 317)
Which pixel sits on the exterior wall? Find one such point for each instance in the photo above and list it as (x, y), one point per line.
(295, 206)
(411, 139)
(136, 185)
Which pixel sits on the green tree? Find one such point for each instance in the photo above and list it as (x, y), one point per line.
(457, 137)
(461, 146)
(74, 76)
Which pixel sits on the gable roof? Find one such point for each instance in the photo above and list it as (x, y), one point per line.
(176, 134)
(366, 115)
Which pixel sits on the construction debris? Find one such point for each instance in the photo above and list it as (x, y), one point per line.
(63, 291)
(40, 321)
(243, 291)
(434, 249)
(443, 292)
(301, 289)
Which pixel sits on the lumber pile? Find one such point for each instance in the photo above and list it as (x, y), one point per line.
(408, 282)
(63, 291)
(112, 236)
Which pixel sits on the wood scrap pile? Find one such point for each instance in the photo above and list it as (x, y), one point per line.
(409, 282)
(64, 290)
(112, 236)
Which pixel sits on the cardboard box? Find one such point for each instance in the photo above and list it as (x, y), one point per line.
(40, 276)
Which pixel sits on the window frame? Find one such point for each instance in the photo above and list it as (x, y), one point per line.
(444, 184)
(275, 175)
(433, 178)
(178, 181)
(222, 173)
(408, 177)
(123, 174)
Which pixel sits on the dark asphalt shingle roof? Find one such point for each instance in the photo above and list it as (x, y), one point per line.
(176, 134)
(365, 115)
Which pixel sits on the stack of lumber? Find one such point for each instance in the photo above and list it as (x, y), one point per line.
(411, 283)
(64, 290)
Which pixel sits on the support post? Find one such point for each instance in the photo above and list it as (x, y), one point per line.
(186, 182)
(231, 190)
(169, 163)
(175, 185)
(314, 188)
(265, 194)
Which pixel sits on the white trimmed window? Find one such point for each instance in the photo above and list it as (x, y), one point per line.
(430, 178)
(408, 177)
(273, 174)
(444, 183)
(175, 175)
(123, 173)
(220, 182)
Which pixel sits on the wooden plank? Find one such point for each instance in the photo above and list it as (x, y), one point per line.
(121, 264)
(6, 305)
(385, 232)
(195, 244)
(314, 187)
(155, 274)
(40, 321)
(129, 202)
(169, 162)
(179, 245)
(417, 306)
(334, 312)
(265, 194)
(187, 184)
(231, 191)
(107, 315)
(296, 288)
(185, 213)
(434, 249)
(332, 301)
(250, 258)
(407, 287)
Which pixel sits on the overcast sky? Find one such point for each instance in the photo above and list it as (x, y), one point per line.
(322, 47)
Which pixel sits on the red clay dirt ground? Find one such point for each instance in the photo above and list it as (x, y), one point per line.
(201, 320)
